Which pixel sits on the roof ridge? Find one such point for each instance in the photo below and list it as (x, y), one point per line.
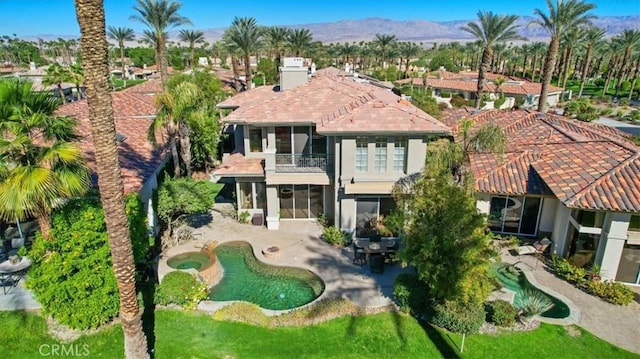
(602, 178)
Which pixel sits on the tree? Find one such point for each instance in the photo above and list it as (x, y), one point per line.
(276, 41)
(191, 37)
(40, 162)
(562, 16)
(76, 75)
(629, 40)
(592, 36)
(95, 56)
(159, 16)
(491, 29)
(56, 75)
(245, 36)
(383, 42)
(121, 34)
(408, 50)
(538, 49)
(299, 40)
(573, 36)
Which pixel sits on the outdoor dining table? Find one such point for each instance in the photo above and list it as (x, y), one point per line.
(382, 247)
(11, 273)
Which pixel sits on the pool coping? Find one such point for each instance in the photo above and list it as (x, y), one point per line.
(574, 311)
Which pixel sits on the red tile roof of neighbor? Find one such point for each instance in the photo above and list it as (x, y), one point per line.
(336, 104)
(584, 165)
(133, 113)
(238, 165)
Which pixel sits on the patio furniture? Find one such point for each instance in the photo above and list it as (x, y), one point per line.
(359, 255)
(11, 273)
(376, 263)
(538, 247)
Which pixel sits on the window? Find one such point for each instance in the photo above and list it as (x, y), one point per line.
(588, 218)
(634, 224)
(255, 139)
(399, 154)
(362, 154)
(381, 154)
(246, 195)
(514, 214)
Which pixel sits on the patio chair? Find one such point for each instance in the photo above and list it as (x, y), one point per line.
(538, 247)
(359, 255)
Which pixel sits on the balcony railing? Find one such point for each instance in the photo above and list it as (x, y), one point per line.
(299, 163)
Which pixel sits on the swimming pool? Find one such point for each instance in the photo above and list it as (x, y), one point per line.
(195, 260)
(271, 287)
(515, 280)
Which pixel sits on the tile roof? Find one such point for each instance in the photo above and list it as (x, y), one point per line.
(238, 165)
(584, 165)
(334, 104)
(139, 159)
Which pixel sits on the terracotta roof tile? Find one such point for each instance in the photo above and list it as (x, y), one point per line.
(238, 165)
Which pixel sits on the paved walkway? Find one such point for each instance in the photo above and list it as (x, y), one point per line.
(616, 324)
(301, 246)
(18, 298)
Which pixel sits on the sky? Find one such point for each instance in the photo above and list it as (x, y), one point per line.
(29, 18)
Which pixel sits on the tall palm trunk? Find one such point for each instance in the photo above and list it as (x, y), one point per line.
(185, 146)
(193, 56)
(610, 72)
(236, 77)
(247, 70)
(533, 66)
(622, 74)
(524, 65)
(95, 60)
(172, 133)
(122, 61)
(162, 64)
(567, 65)
(61, 92)
(549, 64)
(585, 68)
(486, 60)
(44, 222)
(636, 72)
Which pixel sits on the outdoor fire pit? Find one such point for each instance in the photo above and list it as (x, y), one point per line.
(271, 251)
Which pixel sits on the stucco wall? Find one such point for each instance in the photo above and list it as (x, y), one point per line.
(548, 214)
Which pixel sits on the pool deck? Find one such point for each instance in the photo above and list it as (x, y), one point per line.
(616, 324)
(300, 246)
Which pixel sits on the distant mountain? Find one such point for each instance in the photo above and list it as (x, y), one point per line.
(412, 30)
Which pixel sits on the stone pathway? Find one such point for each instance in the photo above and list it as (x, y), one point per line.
(18, 298)
(616, 324)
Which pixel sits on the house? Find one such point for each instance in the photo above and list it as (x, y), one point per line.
(577, 183)
(465, 83)
(140, 161)
(322, 145)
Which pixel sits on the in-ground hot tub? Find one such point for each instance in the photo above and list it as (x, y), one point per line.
(204, 262)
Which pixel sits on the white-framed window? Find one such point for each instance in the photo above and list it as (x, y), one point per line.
(399, 154)
(362, 154)
(381, 154)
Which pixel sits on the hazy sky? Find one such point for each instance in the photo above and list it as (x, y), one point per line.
(41, 17)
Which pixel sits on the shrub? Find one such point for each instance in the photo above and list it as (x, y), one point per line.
(445, 94)
(581, 109)
(442, 106)
(459, 317)
(534, 302)
(180, 288)
(502, 313)
(619, 114)
(605, 111)
(178, 196)
(568, 271)
(71, 274)
(499, 102)
(599, 82)
(612, 292)
(410, 293)
(333, 235)
(623, 102)
(242, 312)
(244, 217)
(634, 115)
(458, 101)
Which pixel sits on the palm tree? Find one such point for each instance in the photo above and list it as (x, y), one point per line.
(192, 37)
(159, 16)
(121, 34)
(491, 29)
(635, 75)
(563, 15)
(383, 43)
(629, 41)
(175, 107)
(408, 50)
(348, 51)
(538, 49)
(592, 36)
(299, 40)
(76, 75)
(56, 75)
(573, 36)
(95, 49)
(245, 36)
(39, 161)
(276, 41)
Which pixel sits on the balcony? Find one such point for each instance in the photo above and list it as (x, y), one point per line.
(301, 163)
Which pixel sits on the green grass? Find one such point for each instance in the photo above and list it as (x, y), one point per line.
(387, 335)
(119, 84)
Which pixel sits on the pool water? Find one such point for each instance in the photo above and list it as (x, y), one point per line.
(271, 287)
(195, 260)
(518, 282)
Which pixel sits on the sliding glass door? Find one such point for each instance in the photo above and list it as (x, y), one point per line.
(301, 201)
(517, 215)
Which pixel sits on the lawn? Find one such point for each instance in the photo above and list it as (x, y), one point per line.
(388, 335)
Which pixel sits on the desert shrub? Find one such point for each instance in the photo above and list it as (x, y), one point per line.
(71, 274)
(568, 271)
(333, 235)
(458, 101)
(519, 103)
(502, 313)
(601, 98)
(634, 115)
(410, 293)
(534, 302)
(499, 102)
(180, 196)
(620, 114)
(612, 292)
(242, 312)
(581, 109)
(442, 106)
(459, 317)
(180, 288)
(605, 111)
(243, 217)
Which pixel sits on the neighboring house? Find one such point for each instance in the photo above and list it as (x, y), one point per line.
(140, 161)
(322, 145)
(577, 183)
(466, 84)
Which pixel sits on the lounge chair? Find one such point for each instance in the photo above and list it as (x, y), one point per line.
(538, 247)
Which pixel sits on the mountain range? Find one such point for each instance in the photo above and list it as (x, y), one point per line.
(415, 30)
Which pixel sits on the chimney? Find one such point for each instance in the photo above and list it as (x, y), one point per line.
(32, 66)
(293, 73)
